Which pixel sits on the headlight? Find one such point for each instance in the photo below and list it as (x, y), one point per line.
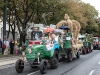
(38, 53)
(29, 50)
(23, 53)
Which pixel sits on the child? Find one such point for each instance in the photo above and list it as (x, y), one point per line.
(16, 48)
(49, 45)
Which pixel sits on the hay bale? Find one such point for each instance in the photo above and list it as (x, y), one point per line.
(78, 46)
(79, 42)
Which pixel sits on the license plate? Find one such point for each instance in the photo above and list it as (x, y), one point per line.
(68, 38)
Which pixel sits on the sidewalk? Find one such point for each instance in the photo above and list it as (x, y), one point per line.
(9, 59)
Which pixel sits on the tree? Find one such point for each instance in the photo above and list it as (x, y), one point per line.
(32, 10)
(75, 11)
(98, 23)
(1, 7)
(23, 13)
(11, 19)
(91, 14)
(82, 12)
(49, 7)
(19, 13)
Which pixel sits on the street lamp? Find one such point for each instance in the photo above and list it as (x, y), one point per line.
(4, 20)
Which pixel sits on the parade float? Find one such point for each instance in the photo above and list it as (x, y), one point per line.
(72, 46)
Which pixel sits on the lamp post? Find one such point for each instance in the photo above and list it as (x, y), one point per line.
(4, 20)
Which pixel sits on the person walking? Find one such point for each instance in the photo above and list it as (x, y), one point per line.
(6, 42)
(1, 46)
(11, 46)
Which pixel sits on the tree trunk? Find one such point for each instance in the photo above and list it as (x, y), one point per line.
(8, 31)
(21, 39)
(24, 37)
(14, 32)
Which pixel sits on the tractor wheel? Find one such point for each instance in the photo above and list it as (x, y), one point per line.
(56, 55)
(84, 51)
(53, 63)
(69, 56)
(91, 50)
(88, 50)
(19, 66)
(43, 66)
(78, 55)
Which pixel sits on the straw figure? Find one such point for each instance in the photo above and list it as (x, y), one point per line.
(69, 22)
(72, 24)
(66, 22)
(76, 29)
(59, 24)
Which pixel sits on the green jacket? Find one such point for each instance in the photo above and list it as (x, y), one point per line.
(67, 42)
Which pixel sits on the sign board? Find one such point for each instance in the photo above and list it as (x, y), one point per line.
(35, 28)
(38, 25)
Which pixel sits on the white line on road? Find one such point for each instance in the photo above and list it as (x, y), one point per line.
(99, 62)
(91, 72)
(33, 72)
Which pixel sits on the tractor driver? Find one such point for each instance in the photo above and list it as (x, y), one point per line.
(67, 39)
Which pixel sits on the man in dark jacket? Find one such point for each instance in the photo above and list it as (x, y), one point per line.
(1, 46)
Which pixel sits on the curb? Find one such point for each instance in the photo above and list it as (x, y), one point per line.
(9, 56)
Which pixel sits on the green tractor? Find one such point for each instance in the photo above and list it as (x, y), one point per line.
(37, 55)
(87, 44)
(68, 50)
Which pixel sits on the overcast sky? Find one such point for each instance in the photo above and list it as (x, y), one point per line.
(95, 3)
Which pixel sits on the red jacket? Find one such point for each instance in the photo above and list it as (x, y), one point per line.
(3, 46)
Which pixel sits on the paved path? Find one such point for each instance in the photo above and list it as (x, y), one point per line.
(5, 60)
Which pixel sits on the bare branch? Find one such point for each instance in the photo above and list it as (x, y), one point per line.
(28, 18)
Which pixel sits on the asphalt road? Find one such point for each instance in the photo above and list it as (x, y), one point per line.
(88, 64)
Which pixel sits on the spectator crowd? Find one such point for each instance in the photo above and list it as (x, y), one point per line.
(9, 47)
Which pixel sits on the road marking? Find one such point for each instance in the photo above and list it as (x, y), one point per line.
(33, 72)
(91, 72)
(99, 62)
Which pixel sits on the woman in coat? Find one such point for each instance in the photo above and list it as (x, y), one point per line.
(11, 46)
